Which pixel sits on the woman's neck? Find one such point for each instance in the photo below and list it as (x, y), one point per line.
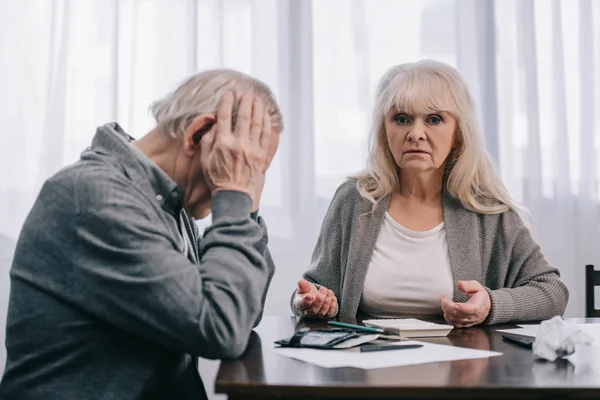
(421, 187)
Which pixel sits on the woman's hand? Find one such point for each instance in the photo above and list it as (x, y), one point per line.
(315, 302)
(473, 312)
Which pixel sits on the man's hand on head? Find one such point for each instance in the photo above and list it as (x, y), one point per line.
(235, 159)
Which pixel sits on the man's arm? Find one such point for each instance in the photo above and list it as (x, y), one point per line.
(129, 273)
(263, 248)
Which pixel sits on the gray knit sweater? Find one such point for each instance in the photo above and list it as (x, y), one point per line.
(496, 250)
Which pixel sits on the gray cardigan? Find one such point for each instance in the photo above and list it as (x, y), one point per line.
(496, 250)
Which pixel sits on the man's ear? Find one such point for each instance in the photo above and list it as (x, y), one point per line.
(199, 126)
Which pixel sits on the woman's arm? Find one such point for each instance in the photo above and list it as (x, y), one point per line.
(325, 269)
(537, 292)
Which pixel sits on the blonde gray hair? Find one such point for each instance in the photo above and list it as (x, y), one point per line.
(201, 94)
(426, 87)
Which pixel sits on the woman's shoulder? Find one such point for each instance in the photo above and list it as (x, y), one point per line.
(512, 219)
(346, 196)
(511, 222)
(347, 190)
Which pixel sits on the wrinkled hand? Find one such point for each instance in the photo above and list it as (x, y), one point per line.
(261, 182)
(473, 312)
(272, 149)
(315, 302)
(235, 160)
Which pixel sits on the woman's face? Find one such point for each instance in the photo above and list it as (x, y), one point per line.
(420, 143)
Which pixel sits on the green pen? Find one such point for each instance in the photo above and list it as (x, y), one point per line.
(364, 328)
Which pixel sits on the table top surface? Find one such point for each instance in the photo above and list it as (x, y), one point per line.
(261, 370)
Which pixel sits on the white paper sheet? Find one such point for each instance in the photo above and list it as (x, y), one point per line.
(525, 331)
(383, 359)
(531, 330)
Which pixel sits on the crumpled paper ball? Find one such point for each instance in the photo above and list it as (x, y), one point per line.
(557, 338)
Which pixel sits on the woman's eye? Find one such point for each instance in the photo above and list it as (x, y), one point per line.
(401, 119)
(434, 120)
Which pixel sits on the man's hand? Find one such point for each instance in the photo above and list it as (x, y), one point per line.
(315, 302)
(473, 312)
(272, 149)
(235, 160)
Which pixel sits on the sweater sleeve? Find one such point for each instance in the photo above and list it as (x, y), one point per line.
(130, 275)
(537, 292)
(326, 263)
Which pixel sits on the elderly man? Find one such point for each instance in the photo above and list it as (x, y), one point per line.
(113, 293)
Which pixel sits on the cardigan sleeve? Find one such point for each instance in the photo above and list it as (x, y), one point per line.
(536, 291)
(325, 269)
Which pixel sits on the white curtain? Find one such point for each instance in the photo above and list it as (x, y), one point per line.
(67, 66)
(547, 126)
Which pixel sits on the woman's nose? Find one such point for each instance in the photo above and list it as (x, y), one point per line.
(417, 132)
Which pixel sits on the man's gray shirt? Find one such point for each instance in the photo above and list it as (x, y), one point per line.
(108, 302)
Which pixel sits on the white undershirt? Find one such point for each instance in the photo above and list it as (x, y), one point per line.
(408, 273)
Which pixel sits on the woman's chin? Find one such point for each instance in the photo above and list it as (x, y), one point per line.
(417, 166)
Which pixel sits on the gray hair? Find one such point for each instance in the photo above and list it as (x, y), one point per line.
(431, 86)
(201, 94)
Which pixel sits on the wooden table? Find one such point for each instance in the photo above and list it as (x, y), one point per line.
(262, 374)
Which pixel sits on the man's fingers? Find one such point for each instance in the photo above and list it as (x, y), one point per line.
(265, 136)
(256, 126)
(207, 141)
(244, 116)
(224, 113)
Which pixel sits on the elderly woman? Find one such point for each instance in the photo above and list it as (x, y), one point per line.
(428, 230)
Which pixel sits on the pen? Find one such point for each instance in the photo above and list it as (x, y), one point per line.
(374, 347)
(363, 328)
(523, 342)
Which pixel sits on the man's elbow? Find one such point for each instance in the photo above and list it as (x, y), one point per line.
(230, 350)
(226, 341)
(258, 319)
(235, 349)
